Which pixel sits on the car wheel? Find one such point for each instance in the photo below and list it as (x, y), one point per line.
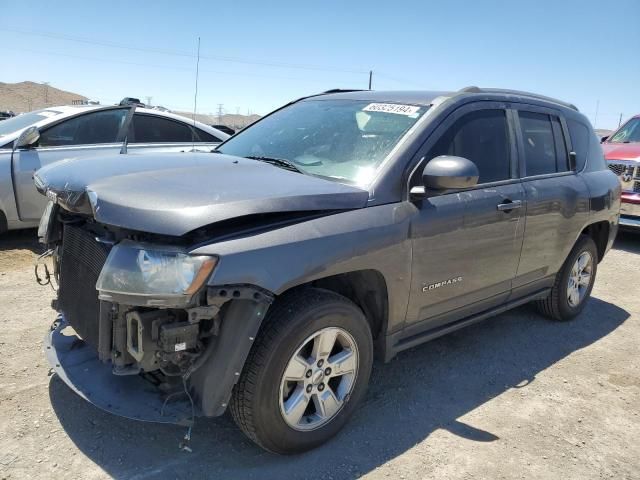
(573, 283)
(306, 373)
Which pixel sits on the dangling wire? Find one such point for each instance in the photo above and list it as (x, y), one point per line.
(45, 279)
(185, 445)
(186, 440)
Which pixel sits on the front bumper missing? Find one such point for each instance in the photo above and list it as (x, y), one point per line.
(130, 396)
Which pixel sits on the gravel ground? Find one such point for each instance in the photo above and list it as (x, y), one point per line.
(514, 397)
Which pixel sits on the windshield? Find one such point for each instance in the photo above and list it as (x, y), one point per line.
(26, 119)
(344, 140)
(630, 132)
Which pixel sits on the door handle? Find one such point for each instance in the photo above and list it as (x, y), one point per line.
(509, 205)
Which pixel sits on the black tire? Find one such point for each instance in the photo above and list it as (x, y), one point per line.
(556, 306)
(255, 403)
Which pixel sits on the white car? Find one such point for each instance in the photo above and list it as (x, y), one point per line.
(78, 131)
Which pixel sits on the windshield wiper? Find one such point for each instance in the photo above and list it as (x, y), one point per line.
(278, 162)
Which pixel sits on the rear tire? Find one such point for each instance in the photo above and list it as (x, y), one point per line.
(573, 283)
(306, 373)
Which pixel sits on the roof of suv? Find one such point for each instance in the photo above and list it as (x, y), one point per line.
(426, 97)
(400, 96)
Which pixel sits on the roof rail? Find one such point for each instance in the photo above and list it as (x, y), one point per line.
(473, 89)
(340, 90)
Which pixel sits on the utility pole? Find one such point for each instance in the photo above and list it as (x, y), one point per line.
(370, 78)
(220, 105)
(46, 93)
(149, 101)
(595, 119)
(620, 120)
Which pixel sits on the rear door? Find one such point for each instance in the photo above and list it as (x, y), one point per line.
(88, 134)
(557, 198)
(466, 245)
(154, 133)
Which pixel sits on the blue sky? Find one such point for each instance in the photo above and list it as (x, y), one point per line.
(259, 55)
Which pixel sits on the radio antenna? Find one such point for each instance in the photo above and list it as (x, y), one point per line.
(195, 101)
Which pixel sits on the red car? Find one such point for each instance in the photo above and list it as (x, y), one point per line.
(622, 151)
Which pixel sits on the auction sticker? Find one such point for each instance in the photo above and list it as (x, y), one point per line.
(408, 110)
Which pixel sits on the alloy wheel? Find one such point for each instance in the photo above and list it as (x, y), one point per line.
(579, 279)
(318, 379)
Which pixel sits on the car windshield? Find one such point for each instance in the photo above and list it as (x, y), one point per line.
(343, 140)
(630, 132)
(26, 119)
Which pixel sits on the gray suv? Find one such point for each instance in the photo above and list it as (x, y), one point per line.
(266, 277)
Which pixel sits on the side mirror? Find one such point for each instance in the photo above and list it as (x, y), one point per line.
(447, 173)
(604, 139)
(27, 138)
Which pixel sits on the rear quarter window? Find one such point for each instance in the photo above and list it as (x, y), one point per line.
(580, 137)
(153, 129)
(595, 155)
(207, 137)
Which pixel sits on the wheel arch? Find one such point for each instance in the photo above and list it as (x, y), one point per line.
(367, 289)
(599, 233)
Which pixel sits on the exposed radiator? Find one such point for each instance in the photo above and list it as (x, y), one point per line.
(81, 261)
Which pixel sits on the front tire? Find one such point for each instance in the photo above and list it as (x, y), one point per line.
(573, 283)
(306, 373)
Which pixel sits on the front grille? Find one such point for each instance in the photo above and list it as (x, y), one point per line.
(628, 173)
(81, 260)
(617, 168)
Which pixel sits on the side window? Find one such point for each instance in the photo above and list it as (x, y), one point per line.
(88, 129)
(580, 142)
(150, 129)
(544, 147)
(207, 137)
(482, 137)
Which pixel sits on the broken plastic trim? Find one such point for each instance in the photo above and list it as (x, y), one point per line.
(131, 396)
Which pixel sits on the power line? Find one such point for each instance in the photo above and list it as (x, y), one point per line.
(168, 67)
(399, 80)
(104, 43)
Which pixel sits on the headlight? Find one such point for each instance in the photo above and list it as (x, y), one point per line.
(167, 273)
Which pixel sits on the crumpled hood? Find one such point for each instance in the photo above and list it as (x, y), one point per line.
(173, 194)
(621, 151)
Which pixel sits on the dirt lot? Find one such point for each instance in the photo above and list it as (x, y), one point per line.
(515, 397)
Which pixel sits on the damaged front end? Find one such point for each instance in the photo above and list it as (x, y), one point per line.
(140, 333)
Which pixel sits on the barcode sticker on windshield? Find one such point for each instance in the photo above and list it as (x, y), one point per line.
(408, 110)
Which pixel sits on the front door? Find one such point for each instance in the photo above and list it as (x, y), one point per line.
(466, 244)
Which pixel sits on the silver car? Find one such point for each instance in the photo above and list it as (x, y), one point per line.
(86, 130)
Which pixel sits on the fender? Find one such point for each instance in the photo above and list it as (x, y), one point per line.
(281, 259)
